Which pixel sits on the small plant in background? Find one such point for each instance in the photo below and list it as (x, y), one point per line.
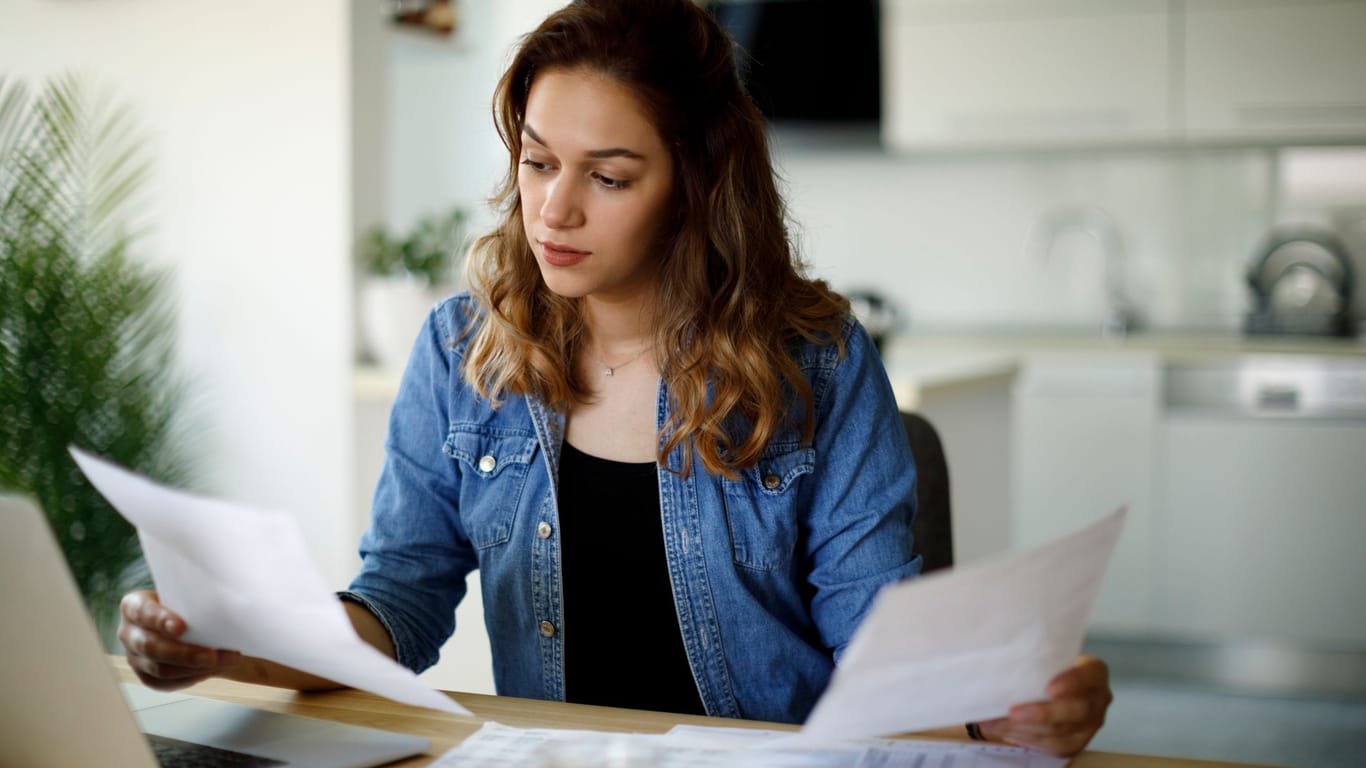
(86, 331)
(428, 252)
(402, 278)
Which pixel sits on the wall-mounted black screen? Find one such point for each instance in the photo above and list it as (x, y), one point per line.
(809, 60)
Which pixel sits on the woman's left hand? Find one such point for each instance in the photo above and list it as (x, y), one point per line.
(1065, 723)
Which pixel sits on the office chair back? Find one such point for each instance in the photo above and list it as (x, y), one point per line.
(933, 523)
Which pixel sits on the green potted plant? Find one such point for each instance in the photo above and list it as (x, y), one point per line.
(402, 277)
(86, 330)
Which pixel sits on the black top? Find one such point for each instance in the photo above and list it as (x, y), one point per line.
(622, 643)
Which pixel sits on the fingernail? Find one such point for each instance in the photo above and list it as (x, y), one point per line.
(168, 626)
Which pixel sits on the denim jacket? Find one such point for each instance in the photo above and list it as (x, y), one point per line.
(771, 572)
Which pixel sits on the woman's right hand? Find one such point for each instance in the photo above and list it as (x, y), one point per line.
(151, 634)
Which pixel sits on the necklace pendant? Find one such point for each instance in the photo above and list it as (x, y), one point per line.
(607, 371)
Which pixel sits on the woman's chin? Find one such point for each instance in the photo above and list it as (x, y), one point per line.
(561, 284)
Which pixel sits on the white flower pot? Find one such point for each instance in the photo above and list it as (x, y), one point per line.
(392, 310)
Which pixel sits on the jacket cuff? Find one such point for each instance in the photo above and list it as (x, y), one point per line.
(405, 655)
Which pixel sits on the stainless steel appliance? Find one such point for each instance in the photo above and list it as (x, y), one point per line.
(1302, 283)
(1264, 519)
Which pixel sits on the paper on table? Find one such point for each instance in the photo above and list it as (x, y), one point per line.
(500, 746)
(963, 645)
(242, 578)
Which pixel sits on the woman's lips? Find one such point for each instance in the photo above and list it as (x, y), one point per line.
(562, 255)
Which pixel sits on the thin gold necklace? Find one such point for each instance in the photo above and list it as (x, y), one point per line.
(611, 370)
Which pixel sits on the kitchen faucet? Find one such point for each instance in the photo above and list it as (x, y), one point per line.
(1120, 318)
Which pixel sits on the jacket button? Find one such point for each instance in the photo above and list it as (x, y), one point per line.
(547, 629)
(772, 481)
(487, 464)
(543, 530)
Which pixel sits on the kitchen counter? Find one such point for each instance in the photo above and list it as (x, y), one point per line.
(926, 364)
(918, 375)
(1165, 343)
(373, 383)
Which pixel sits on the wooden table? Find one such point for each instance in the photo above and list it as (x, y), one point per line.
(445, 731)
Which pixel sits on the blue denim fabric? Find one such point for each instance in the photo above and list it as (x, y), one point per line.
(771, 572)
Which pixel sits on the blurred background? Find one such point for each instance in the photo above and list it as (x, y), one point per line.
(1111, 248)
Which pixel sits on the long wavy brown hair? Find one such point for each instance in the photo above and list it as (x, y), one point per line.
(732, 296)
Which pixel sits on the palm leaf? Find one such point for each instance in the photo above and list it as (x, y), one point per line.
(86, 331)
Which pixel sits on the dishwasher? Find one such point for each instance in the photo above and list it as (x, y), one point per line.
(1261, 477)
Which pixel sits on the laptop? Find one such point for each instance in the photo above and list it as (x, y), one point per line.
(61, 704)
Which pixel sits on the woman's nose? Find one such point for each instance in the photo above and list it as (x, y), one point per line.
(561, 205)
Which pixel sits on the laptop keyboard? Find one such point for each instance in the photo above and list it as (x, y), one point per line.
(173, 753)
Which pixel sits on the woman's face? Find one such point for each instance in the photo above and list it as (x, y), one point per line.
(595, 180)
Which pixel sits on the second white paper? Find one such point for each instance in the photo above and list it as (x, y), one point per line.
(965, 644)
(242, 578)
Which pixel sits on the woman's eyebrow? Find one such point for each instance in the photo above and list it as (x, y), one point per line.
(596, 153)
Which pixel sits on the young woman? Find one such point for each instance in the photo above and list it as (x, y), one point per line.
(675, 459)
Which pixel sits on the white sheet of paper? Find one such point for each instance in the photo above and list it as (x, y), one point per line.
(964, 644)
(500, 746)
(243, 578)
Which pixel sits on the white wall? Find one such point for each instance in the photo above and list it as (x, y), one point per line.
(948, 237)
(246, 108)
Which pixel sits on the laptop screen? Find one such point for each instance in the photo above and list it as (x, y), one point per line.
(63, 706)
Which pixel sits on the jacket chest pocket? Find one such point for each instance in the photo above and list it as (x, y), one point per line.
(494, 465)
(761, 507)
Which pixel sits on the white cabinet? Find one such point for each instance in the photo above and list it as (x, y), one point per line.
(971, 413)
(1243, 481)
(1265, 524)
(965, 73)
(1083, 441)
(1264, 513)
(1275, 69)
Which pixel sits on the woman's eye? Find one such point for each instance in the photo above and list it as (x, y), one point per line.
(611, 183)
(535, 165)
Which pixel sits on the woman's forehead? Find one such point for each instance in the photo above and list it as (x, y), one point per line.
(583, 109)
